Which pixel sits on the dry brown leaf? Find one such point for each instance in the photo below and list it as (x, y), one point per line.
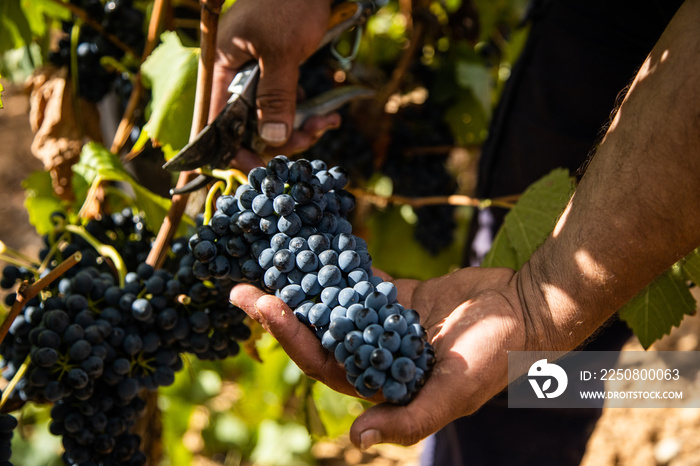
(59, 132)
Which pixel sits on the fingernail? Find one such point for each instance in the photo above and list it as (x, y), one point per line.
(370, 438)
(274, 132)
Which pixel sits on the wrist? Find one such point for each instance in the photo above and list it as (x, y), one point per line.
(540, 334)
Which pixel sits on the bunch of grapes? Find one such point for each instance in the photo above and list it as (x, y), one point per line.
(286, 231)
(92, 345)
(117, 17)
(417, 128)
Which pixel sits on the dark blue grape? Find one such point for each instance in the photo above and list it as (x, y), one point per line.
(272, 186)
(274, 279)
(329, 296)
(227, 205)
(141, 309)
(394, 392)
(283, 205)
(319, 315)
(310, 213)
(255, 178)
(348, 261)
(278, 167)
(309, 284)
(403, 369)
(262, 205)
(279, 241)
(371, 334)
(302, 192)
(302, 312)
(204, 251)
(362, 355)
(292, 295)
(289, 224)
(300, 170)
(365, 317)
(329, 275)
(340, 327)
(80, 350)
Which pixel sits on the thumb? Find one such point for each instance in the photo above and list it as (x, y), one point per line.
(276, 99)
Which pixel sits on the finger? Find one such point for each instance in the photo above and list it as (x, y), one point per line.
(429, 411)
(245, 296)
(319, 124)
(276, 99)
(299, 342)
(221, 78)
(311, 132)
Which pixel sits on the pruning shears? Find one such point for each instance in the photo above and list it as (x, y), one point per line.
(236, 126)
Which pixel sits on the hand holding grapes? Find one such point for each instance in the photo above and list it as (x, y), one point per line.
(473, 317)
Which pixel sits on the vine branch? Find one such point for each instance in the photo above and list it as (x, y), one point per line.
(506, 202)
(26, 291)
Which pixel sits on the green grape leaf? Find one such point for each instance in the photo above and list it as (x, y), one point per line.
(691, 266)
(533, 218)
(40, 201)
(502, 253)
(14, 27)
(658, 308)
(37, 11)
(530, 221)
(171, 73)
(96, 161)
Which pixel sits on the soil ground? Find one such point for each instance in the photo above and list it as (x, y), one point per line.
(623, 437)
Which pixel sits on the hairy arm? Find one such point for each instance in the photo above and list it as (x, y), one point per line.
(636, 211)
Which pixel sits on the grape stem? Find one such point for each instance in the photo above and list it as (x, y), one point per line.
(506, 202)
(18, 376)
(15, 257)
(52, 252)
(208, 205)
(74, 40)
(103, 249)
(232, 176)
(26, 291)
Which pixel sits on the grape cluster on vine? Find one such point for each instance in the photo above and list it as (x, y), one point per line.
(117, 17)
(92, 342)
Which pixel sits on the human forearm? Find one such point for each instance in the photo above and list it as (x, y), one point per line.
(636, 210)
